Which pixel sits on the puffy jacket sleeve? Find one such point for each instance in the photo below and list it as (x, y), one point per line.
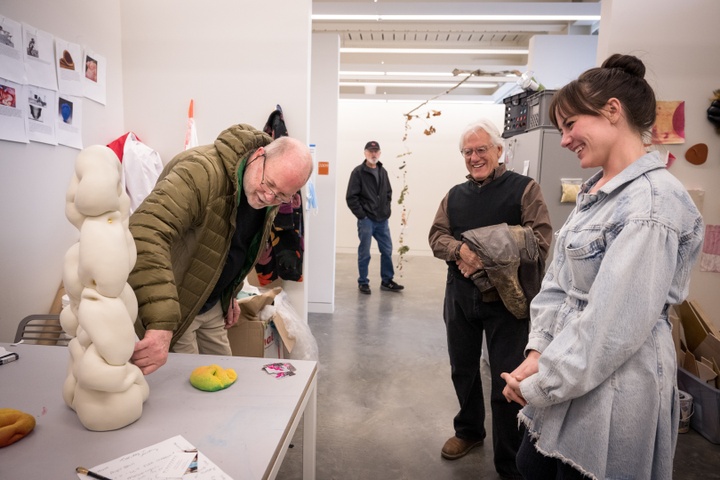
(175, 206)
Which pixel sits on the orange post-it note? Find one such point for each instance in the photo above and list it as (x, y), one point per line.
(323, 168)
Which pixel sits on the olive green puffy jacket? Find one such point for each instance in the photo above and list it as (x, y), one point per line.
(183, 229)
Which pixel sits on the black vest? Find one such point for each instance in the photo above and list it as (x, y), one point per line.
(472, 206)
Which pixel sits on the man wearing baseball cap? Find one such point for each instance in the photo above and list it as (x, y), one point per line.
(368, 196)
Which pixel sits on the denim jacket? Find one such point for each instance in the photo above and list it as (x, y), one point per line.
(605, 397)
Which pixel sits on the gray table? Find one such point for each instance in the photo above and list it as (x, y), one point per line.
(245, 429)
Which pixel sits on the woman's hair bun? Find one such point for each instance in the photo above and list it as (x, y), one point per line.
(627, 63)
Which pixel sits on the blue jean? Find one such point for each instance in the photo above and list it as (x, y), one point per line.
(367, 229)
(466, 318)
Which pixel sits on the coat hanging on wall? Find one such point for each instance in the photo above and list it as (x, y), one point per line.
(275, 125)
(283, 255)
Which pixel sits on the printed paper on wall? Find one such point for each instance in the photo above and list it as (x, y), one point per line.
(13, 120)
(42, 117)
(94, 78)
(68, 65)
(11, 59)
(69, 121)
(39, 57)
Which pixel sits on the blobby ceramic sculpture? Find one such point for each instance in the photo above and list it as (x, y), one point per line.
(106, 391)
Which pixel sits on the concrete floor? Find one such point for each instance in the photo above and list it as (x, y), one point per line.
(385, 399)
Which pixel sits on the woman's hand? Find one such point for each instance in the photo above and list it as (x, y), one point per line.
(512, 391)
(527, 368)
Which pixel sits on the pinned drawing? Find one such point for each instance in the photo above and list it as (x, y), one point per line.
(669, 125)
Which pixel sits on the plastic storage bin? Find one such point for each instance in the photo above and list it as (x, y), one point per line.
(538, 109)
(706, 405)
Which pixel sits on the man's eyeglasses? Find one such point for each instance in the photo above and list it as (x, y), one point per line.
(480, 151)
(278, 196)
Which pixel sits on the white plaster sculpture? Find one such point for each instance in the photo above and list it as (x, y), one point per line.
(106, 391)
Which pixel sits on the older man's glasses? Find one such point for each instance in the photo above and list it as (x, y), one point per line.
(278, 196)
(479, 151)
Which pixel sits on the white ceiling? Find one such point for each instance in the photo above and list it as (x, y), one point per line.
(465, 42)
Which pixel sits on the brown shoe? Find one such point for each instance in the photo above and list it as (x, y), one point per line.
(456, 447)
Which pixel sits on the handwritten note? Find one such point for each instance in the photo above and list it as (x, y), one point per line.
(166, 460)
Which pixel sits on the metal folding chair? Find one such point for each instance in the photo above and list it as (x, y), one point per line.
(44, 329)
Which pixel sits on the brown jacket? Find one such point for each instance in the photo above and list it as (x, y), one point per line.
(513, 266)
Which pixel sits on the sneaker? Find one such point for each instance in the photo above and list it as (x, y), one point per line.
(391, 286)
(364, 288)
(456, 447)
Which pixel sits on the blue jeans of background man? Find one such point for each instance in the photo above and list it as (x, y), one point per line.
(466, 318)
(367, 229)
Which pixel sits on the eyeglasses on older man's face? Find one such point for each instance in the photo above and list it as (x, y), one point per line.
(266, 185)
(479, 151)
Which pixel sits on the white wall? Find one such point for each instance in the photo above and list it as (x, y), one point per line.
(237, 60)
(34, 177)
(433, 166)
(558, 59)
(682, 64)
(320, 244)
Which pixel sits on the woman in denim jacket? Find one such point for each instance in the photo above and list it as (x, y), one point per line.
(599, 380)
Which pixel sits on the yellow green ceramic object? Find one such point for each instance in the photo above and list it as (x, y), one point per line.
(211, 378)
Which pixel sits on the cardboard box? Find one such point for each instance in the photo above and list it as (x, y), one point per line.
(696, 373)
(699, 339)
(253, 337)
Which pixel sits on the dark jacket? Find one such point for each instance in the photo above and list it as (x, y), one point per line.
(367, 197)
(183, 230)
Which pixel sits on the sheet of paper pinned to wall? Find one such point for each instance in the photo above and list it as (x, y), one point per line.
(69, 67)
(698, 196)
(39, 58)
(710, 255)
(174, 458)
(68, 126)
(13, 115)
(11, 61)
(94, 78)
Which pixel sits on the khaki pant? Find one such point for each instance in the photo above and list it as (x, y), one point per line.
(206, 335)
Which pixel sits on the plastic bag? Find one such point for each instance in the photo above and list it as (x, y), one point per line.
(305, 347)
(570, 189)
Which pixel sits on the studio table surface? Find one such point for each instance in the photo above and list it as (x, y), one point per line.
(245, 429)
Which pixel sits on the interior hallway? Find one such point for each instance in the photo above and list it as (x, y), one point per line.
(385, 399)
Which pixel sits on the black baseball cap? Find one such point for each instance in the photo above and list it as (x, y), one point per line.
(373, 145)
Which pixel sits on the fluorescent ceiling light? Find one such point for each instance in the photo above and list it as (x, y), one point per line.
(378, 98)
(395, 74)
(375, 73)
(353, 74)
(457, 18)
(419, 74)
(443, 51)
(417, 84)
